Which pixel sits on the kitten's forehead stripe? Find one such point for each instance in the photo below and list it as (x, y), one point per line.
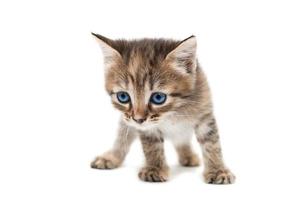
(131, 78)
(151, 49)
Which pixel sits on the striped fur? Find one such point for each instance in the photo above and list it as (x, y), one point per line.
(141, 67)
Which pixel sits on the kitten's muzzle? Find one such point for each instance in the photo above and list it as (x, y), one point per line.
(139, 120)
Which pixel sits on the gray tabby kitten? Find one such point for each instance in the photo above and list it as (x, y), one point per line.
(162, 92)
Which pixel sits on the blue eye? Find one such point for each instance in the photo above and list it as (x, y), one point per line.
(123, 97)
(158, 98)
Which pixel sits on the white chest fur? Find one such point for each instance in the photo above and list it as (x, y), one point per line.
(178, 132)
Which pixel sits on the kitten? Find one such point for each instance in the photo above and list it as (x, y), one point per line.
(162, 92)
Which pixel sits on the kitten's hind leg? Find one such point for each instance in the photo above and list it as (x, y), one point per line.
(182, 142)
(114, 158)
(186, 156)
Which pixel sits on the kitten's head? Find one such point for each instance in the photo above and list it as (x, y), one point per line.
(149, 79)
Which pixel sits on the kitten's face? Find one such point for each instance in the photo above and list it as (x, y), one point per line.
(148, 80)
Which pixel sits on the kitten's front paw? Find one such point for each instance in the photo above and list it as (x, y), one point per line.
(221, 176)
(106, 161)
(153, 174)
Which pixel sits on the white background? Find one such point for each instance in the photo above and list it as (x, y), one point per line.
(55, 116)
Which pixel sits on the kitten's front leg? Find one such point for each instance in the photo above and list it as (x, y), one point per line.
(114, 158)
(215, 171)
(155, 169)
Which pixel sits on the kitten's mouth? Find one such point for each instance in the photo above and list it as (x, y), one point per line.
(146, 125)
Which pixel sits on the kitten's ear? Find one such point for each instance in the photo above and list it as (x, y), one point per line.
(183, 57)
(108, 47)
